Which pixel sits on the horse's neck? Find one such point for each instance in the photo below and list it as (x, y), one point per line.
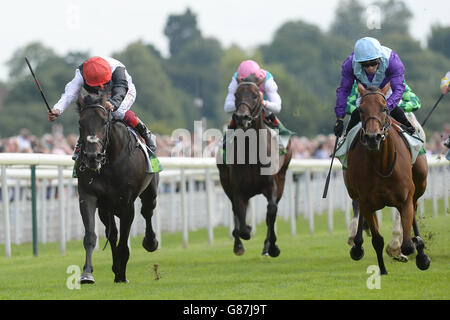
(386, 155)
(118, 142)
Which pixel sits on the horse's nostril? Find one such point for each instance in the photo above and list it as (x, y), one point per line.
(378, 137)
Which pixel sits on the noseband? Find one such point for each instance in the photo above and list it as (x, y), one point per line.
(95, 139)
(255, 112)
(384, 126)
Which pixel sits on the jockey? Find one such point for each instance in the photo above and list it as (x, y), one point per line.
(373, 66)
(99, 73)
(271, 100)
(445, 83)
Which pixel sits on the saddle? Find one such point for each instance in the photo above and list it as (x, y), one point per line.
(414, 143)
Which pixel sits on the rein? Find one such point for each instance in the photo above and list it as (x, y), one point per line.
(255, 112)
(104, 144)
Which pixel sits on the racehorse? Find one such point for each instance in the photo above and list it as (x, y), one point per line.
(241, 180)
(111, 172)
(380, 173)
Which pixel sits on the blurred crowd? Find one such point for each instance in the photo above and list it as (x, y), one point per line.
(319, 147)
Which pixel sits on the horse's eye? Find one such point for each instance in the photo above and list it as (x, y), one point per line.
(255, 96)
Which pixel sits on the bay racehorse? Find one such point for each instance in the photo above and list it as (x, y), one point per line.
(380, 173)
(111, 172)
(253, 166)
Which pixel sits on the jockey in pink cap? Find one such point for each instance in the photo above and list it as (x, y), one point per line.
(268, 89)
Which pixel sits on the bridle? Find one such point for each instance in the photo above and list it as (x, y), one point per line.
(385, 130)
(255, 111)
(94, 139)
(384, 126)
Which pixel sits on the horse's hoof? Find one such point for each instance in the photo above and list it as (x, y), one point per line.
(400, 258)
(274, 251)
(393, 250)
(423, 261)
(121, 280)
(150, 246)
(87, 278)
(356, 253)
(408, 249)
(239, 250)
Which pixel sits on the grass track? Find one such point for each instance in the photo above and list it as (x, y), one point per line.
(309, 267)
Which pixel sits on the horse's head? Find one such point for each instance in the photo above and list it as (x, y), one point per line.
(248, 102)
(95, 123)
(374, 115)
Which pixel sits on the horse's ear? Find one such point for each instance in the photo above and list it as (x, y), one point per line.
(386, 88)
(238, 80)
(362, 91)
(259, 82)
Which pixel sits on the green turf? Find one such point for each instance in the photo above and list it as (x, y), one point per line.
(314, 266)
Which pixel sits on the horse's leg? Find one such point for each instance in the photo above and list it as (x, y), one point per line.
(148, 199)
(407, 217)
(126, 219)
(393, 249)
(111, 234)
(88, 204)
(272, 207)
(241, 229)
(357, 251)
(422, 260)
(354, 223)
(377, 239)
(420, 171)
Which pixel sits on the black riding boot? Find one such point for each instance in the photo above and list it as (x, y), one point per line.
(398, 114)
(146, 134)
(354, 120)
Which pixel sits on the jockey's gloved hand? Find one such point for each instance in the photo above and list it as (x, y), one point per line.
(339, 127)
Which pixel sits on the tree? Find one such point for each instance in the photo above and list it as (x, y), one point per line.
(349, 21)
(36, 53)
(439, 39)
(156, 102)
(181, 30)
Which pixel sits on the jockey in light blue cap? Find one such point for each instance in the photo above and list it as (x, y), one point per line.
(374, 66)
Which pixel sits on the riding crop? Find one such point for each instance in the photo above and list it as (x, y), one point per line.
(325, 191)
(39, 86)
(435, 105)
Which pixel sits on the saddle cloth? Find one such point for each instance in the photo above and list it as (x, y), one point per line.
(153, 164)
(415, 143)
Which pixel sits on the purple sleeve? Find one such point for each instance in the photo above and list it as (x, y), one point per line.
(396, 75)
(345, 88)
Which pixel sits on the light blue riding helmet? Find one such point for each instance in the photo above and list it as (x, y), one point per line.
(367, 49)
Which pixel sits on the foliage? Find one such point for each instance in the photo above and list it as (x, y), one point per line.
(305, 61)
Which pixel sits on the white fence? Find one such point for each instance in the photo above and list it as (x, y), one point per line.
(190, 197)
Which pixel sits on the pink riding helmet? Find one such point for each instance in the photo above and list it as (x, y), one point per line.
(248, 67)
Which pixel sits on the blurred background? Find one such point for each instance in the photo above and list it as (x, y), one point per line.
(182, 55)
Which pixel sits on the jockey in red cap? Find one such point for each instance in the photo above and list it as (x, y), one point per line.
(100, 73)
(268, 89)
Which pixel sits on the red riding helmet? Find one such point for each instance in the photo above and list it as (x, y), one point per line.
(96, 72)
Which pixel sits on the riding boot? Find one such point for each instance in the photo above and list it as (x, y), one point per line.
(146, 134)
(76, 151)
(272, 118)
(398, 114)
(354, 120)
